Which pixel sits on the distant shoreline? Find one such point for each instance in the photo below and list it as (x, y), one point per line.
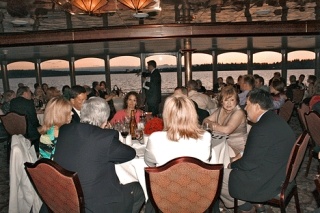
(295, 64)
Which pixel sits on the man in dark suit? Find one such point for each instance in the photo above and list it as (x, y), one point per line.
(23, 104)
(257, 176)
(152, 85)
(92, 151)
(78, 96)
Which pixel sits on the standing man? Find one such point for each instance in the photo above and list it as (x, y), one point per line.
(23, 104)
(152, 85)
(257, 176)
(78, 95)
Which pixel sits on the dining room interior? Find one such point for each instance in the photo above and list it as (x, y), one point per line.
(40, 30)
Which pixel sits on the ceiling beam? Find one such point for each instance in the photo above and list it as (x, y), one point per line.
(160, 31)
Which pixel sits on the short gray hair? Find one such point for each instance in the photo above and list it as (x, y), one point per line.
(95, 111)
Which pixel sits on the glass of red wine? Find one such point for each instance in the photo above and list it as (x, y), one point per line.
(124, 131)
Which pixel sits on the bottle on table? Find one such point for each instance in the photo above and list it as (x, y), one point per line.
(133, 125)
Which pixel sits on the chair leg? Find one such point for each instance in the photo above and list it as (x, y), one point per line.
(309, 161)
(296, 200)
(235, 205)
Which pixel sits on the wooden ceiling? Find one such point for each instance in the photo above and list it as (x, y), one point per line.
(211, 25)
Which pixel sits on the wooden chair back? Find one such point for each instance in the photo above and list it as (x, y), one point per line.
(286, 110)
(14, 123)
(184, 184)
(59, 188)
(313, 124)
(302, 110)
(297, 95)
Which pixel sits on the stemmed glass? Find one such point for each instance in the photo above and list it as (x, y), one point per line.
(206, 126)
(124, 130)
(139, 135)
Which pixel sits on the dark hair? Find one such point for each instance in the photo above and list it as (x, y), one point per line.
(261, 97)
(94, 84)
(76, 90)
(104, 83)
(152, 63)
(64, 88)
(21, 90)
(261, 79)
(192, 84)
(125, 100)
(278, 85)
(36, 85)
(292, 78)
(248, 79)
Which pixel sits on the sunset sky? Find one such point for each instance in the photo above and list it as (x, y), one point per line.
(197, 58)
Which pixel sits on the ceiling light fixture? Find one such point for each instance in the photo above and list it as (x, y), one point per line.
(91, 7)
(136, 5)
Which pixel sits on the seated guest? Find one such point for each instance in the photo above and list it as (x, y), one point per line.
(92, 151)
(95, 90)
(182, 136)
(316, 97)
(38, 93)
(130, 102)
(311, 89)
(202, 114)
(246, 84)
(277, 93)
(78, 95)
(230, 119)
(277, 75)
(51, 93)
(203, 101)
(23, 104)
(218, 86)
(107, 95)
(300, 81)
(259, 83)
(293, 85)
(200, 87)
(57, 112)
(7, 97)
(259, 173)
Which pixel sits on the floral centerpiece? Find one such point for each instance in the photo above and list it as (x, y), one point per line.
(153, 125)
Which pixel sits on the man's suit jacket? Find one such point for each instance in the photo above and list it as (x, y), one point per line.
(93, 153)
(26, 107)
(258, 175)
(75, 117)
(153, 95)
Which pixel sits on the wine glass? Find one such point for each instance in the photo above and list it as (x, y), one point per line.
(139, 135)
(124, 130)
(206, 126)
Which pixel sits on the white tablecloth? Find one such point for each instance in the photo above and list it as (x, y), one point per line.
(134, 170)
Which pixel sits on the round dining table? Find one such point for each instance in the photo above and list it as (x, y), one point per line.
(133, 170)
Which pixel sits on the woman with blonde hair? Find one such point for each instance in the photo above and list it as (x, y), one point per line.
(182, 135)
(57, 113)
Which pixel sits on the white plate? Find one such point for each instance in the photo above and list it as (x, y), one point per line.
(19, 22)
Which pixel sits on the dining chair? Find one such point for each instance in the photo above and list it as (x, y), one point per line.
(289, 186)
(302, 110)
(14, 124)
(286, 110)
(297, 96)
(59, 188)
(185, 185)
(313, 122)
